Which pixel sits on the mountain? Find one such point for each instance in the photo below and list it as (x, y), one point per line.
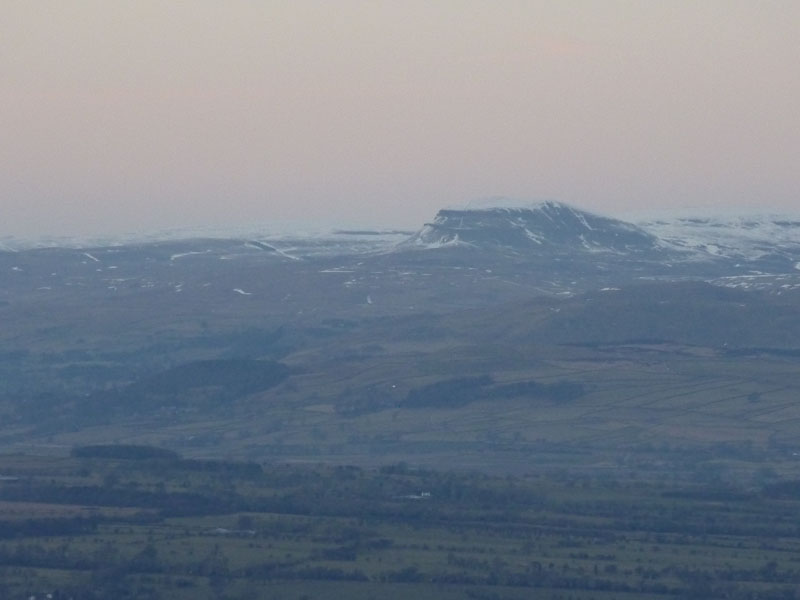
(576, 249)
(543, 227)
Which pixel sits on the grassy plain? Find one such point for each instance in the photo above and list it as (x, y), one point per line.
(174, 528)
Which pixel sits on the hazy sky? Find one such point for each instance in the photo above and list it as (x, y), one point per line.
(121, 116)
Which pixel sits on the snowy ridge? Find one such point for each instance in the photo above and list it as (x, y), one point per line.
(744, 240)
(739, 235)
(314, 238)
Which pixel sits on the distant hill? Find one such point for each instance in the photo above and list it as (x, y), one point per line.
(542, 228)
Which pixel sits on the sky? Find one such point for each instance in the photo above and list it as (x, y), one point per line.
(146, 114)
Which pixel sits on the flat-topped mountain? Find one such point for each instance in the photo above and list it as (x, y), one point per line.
(546, 226)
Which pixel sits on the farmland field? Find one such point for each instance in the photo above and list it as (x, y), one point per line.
(99, 526)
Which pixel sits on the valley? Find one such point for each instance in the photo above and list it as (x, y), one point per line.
(467, 345)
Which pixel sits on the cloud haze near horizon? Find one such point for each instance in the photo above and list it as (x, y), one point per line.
(133, 115)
